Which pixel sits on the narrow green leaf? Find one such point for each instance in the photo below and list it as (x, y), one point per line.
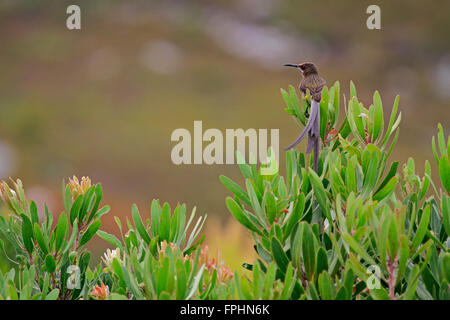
(75, 210)
(444, 172)
(61, 231)
(238, 213)
(422, 228)
(40, 239)
(52, 295)
(325, 286)
(236, 189)
(34, 213)
(164, 224)
(271, 206)
(27, 233)
(322, 261)
(139, 225)
(309, 250)
(256, 205)
(386, 190)
(392, 172)
(295, 216)
(181, 280)
(279, 255)
(358, 249)
(50, 263)
(90, 232)
(112, 239)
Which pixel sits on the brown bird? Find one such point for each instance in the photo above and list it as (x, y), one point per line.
(314, 83)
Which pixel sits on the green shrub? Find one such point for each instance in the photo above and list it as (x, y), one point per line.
(357, 229)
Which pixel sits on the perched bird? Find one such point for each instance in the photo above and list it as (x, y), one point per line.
(314, 83)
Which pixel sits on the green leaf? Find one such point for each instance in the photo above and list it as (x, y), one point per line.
(391, 126)
(358, 249)
(50, 263)
(392, 172)
(324, 112)
(426, 180)
(289, 283)
(256, 205)
(131, 283)
(52, 295)
(72, 237)
(412, 283)
(104, 210)
(67, 197)
(279, 255)
(181, 280)
(139, 225)
(322, 261)
(164, 227)
(88, 199)
(295, 216)
(236, 189)
(98, 197)
(404, 255)
(325, 286)
(34, 212)
(163, 276)
(319, 193)
(421, 229)
(27, 233)
(445, 266)
(352, 90)
(239, 215)
(393, 241)
(386, 190)
(379, 294)
(378, 121)
(268, 281)
(444, 172)
(441, 141)
(358, 119)
(196, 282)
(370, 175)
(155, 217)
(117, 268)
(75, 210)
(110, 238)
(40, 239)
(446, 213)
(116, 296)
(309, 250)
(90, 232)
(350, 176)
(271, 207)
(61, 230)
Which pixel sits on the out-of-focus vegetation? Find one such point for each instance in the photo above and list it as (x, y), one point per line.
(103, 101)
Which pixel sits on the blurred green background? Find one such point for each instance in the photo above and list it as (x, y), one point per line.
(103, 101)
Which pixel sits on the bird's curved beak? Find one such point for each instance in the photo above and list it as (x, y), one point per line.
(291, 65)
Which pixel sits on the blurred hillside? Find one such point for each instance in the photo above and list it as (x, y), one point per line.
(104, 101)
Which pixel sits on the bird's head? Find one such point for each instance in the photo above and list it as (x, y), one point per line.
(305, 68)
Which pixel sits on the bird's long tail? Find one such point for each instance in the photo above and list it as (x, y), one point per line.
(312, 128)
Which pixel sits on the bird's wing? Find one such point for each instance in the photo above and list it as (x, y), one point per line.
(315, 86)
(303, 86)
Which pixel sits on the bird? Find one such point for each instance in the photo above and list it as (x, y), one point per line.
(312, 82)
